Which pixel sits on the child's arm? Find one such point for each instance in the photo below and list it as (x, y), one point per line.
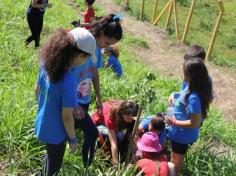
(114, 147)
(68, 120)
(194, 122)
(36, 90)
(96, 85)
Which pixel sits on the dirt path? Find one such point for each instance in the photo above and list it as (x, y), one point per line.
(167, 56)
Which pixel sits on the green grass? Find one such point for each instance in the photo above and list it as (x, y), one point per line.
(201, 28)
(22, 154)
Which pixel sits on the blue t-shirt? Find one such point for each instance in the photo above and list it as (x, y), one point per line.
(115, 65)
(145, 123)
(182, 112)
(84, 74)
(37, 11)
(52, 97)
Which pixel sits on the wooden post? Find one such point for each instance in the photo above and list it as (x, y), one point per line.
(216, 29)
(162, 12)
(190, 14)
(176, 20)
(142, 9)
(154, 12)
(169, 15)
(126, 1)
(133, 135)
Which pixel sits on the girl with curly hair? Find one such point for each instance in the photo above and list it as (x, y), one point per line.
(57, 94)
(117, 115)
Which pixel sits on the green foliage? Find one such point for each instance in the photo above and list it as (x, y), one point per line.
(203, 22)
(136, 41)
(22, 154)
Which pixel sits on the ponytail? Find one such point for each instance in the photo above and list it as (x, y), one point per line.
(108, 25)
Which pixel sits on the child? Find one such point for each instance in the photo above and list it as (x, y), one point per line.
(117, 115)
(56, 92)
(190, 109)
(113, 53)
(194, 51)
(35, 14)
(107, 31)
(89, 14)
(155, 124)
(152, 162)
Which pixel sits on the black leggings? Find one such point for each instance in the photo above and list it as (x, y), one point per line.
(54, 158)
(35, 23)
(90, 136)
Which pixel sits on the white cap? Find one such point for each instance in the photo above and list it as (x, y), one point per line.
(85, 41)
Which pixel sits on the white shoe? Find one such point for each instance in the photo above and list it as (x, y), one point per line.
(171, 169)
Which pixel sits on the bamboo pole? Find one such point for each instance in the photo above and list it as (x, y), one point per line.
(176, 20)
(142, 9)
(126, 1)
(162, 12)
(169, 15)
(190, 14)
(133, 135)
(154, 12)
(212, 42)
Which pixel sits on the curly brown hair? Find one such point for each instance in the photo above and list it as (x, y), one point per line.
(120, 108)
(59, 53)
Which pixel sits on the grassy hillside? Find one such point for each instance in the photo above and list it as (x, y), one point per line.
(22, 154)
(203, 22)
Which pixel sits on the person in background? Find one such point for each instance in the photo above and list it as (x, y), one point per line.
(113, 62)
(57, 95)
(35, 14)
(89, 14)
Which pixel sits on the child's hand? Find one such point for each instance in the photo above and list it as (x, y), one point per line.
(82, 13)
(171, 100)
(79, 113)
(73, 148)
(99, 105)
(170, 120)
(49, 6)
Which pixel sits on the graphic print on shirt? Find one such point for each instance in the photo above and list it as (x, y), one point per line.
(84, 88)
(43, 8)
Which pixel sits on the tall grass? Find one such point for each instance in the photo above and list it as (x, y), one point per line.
(22, 154)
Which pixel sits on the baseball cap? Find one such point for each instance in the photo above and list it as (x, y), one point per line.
(85, 41)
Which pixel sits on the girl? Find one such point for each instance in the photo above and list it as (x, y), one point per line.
(190, 109)
(116, 116)
(35, 15)
(154, 123)
(113, 53)
(152, 162)
(89, 14)
(56, 92)
(107, 30)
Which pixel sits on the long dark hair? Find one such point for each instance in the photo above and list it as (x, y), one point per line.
(123, 107)
(199, 82)
(108, 25)
(58, 54)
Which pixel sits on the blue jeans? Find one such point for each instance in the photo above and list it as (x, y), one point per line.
(90, 136)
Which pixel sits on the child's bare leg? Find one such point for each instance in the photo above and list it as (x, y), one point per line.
(178, 161)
